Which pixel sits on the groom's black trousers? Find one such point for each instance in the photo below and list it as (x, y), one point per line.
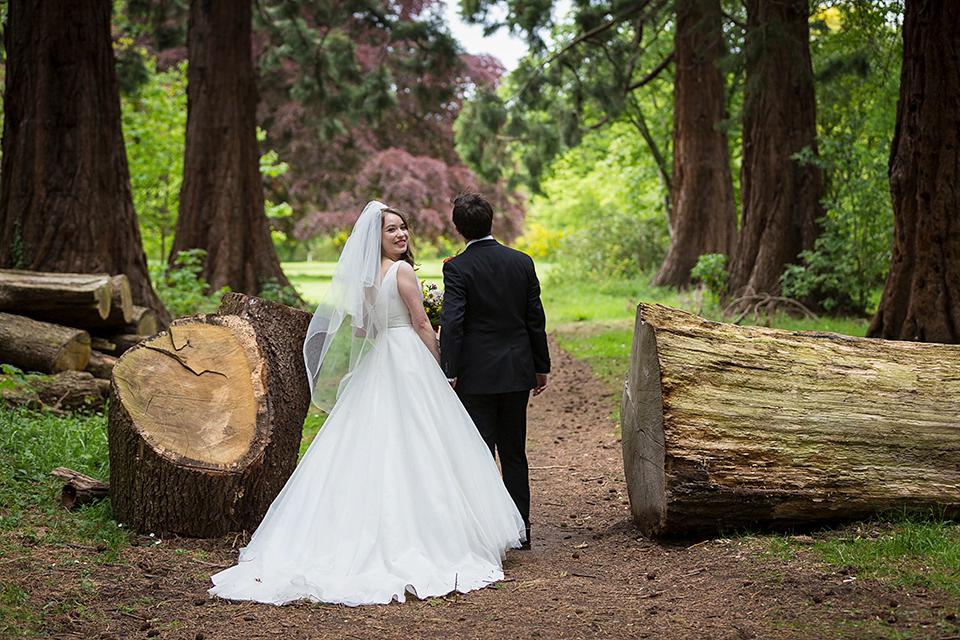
(501, 419)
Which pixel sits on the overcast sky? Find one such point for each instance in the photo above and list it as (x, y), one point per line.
(509, 49)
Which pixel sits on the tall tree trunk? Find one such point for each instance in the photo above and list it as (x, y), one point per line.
(65, 199)
(704, 216)
(221, 200)
(780, 198)
(921, 298)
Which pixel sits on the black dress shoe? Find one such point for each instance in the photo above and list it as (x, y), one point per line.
(526, 544)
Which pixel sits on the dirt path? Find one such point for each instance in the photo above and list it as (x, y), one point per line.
(589, 574)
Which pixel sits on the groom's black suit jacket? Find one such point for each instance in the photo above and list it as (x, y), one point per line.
(493, 336)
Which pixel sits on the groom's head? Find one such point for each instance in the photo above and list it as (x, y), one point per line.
(472, 215)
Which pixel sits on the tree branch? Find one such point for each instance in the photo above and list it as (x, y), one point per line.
(653, 74)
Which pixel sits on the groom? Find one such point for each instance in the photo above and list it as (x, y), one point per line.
(493, 341)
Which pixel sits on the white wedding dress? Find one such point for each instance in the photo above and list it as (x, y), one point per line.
(397, 493)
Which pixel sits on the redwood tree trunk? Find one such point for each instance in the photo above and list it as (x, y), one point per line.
(704, 216)
(780, 198)
(921, 298)
(65, 200)
(221, 200)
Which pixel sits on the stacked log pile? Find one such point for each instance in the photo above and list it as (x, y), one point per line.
(70, 327)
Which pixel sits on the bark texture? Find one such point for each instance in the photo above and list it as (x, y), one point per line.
(780, 198)
(704, 216)
(65, 200)
(33, 345)
(727, 427)
(72, 390)
(56, 296)
(121, 305)
(205, 421)
(79, 489)
(921, 297)
(221, 200)
(143, 321)
(100, 365)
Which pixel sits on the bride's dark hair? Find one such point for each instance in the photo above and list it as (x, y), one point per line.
(408, 254)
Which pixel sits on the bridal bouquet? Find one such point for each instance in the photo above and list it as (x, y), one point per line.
(432, 301)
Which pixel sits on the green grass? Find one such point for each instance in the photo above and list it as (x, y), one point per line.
(31, 445)
(311, 279)
(914, 550)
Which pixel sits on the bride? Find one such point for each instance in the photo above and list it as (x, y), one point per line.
(398, 492)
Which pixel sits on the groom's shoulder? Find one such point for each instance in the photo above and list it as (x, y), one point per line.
(517, 255)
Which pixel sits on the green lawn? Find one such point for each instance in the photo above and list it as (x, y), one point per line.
(311, 279)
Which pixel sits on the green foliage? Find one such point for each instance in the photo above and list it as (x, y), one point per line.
(554, 100)
(154, 114)
(311, 427)
(540, 243)
(181, 289)
(856, 51)
(270, 289)
(154, 125)
(607, 204)
(711, 271)
(614, 244)
(31, 445)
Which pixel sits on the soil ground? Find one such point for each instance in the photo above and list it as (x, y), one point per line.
(589, 574)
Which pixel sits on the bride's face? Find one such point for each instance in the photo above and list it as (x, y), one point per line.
(394, 236)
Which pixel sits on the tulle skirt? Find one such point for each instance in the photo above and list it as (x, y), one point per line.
(397, 494)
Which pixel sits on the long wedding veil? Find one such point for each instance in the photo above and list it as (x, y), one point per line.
(344, 326)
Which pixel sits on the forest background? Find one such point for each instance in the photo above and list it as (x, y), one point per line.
(579, 147)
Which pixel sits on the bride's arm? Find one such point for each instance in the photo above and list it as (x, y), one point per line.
(409, 288)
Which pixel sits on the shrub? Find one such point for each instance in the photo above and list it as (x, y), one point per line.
(181, 289)
(540, 243)
(614, 244)
(711, 271)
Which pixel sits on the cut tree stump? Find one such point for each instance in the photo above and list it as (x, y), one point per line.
(34, 345)
(55, 297)
(725, 427)
(79, 489)
(205, 421)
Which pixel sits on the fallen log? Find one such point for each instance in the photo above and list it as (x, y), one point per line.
(100, 365)
(79, 489)
(71, 390)
(119, 317)
(118, 343)
(55, 296)
(205, 421)
(34, 345)
(726, 427)
(143, 321)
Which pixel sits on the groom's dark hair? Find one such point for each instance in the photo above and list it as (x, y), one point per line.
(472, 215)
